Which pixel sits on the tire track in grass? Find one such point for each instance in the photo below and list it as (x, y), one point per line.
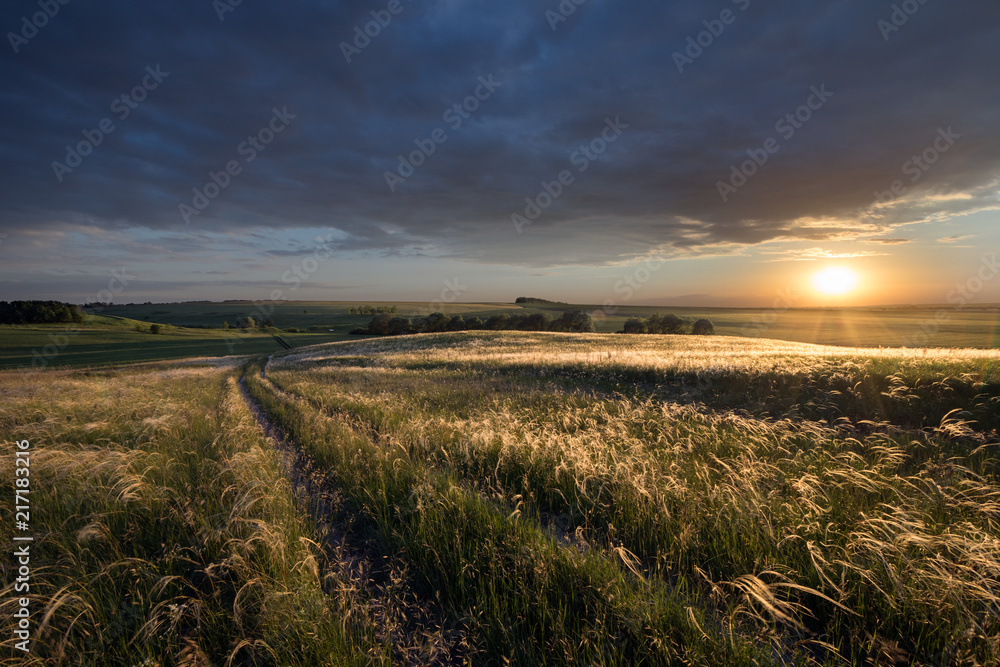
(549, 518)
(421, 638)
(620, 616)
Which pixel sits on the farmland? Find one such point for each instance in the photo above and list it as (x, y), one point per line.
(950, 326)
(103, 341)
(119, 334)
(537, 498)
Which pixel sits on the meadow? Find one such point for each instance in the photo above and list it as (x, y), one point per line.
(518, 498)
(105, 341)
(947, 325)
(195, 328)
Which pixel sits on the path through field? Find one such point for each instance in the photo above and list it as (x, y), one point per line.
(413, 629)
(521, 498)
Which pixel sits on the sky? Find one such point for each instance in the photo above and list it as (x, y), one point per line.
(648, 152)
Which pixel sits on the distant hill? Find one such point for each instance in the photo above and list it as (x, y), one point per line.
(532, 299)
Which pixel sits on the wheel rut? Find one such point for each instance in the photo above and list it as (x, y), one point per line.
(413, 631)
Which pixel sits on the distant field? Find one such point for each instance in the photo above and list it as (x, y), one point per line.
(516, 498)
(890, 327)
(116, 343)
(110, 338)
(317, 315)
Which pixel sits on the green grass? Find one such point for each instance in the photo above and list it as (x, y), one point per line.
(164, 530)
(974, 326)
(518, 498)
(803, 539)
(308, 315)
(105, 341)
(863, 327)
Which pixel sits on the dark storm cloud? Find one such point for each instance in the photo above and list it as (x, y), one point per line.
(653, 190)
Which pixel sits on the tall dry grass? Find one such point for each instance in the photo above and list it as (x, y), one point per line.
(165, 531)
(846, 539)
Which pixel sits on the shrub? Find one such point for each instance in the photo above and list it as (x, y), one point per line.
(576, 321)
(380, 325)
(436, 322)
(399, 325)
(634, 326)
(656, 324)
(703, 327)
(155, 328)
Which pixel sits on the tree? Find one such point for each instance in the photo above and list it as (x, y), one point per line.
(634, 326)
(39, 312)
(225, 324)
(672, 324)
(703, 327)
(457, 323)
(576, 321)
(398, 326)
(536, 322)
(583, 322)
(473, 323)
(498, 322)
(436, 322)
(154, 328)
(379, 325)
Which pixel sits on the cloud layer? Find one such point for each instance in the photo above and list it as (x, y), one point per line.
(556, 81)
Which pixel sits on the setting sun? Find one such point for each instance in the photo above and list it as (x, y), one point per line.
(835, 280)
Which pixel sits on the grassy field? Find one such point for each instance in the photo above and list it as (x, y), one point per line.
(305, 315)
(103, 341)
(517, 498)
(977, 326)
(194, 329)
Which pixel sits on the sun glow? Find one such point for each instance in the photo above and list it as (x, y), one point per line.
(835, 280)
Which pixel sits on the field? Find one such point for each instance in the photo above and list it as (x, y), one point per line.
(106, 341)
(970, 326)
(194, 329)
(515, 498)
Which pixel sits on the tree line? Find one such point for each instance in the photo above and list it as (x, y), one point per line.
(370, 310)
(39, 312)
(385, 325)
(668, 324)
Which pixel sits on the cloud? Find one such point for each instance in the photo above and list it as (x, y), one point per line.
(654, 189)
(812, 254)
(888, 241)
